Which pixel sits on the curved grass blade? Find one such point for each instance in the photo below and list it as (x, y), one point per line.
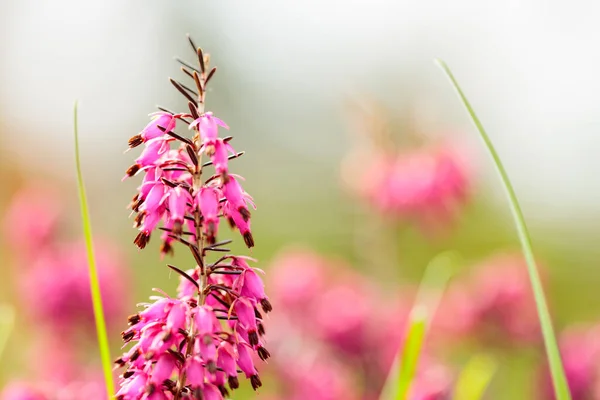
(402, 373)
(559, 380)
(94, 283)
(7, 322)
(475, 377)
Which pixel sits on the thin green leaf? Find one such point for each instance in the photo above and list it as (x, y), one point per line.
(94, 283)
(475, 377)
(559, 380)
(7, 322)
(403, 371)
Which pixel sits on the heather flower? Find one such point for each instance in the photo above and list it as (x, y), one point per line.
(194, 344)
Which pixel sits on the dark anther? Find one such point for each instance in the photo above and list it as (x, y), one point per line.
(135, 355)
(255, 381)
(177, 228)
(177, 355)
(120, 362)
(266, 305)
(211, 366)
(263, 353)
(150, 388)
(261, 328)
(169, 384)
(133, 319)
(182, 90)
(142, 239)
(233, 381)
(253, 338)
(184, 274)
(210, 74)
(245, 213)
(166, 248)
(137, 221)
(128, 374)
(223, 391)
(248, 239)
(201, 60)
(131, 171)
(135, 141)
(127, 335)
(257, 314)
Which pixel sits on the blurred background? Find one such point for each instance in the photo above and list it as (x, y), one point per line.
(338, 105)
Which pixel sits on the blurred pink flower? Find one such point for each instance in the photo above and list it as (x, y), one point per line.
(31, 219)
(428, 184)
(494, 302)
(21, 391)
(580, 351)
(337, 327)
(56, 287)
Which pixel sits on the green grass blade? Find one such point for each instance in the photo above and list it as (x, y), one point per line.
(411, 351)
(475, 378)
(559, 380)
(7, 322)
(94, 283)
(403, 371)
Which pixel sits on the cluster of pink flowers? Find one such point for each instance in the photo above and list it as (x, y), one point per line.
(192, 345)
(338, 334)
(53, 287)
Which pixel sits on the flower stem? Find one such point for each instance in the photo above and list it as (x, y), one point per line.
(94, 282)
(559, 380)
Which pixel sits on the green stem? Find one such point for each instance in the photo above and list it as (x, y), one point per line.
(556, 368)
(94, 283)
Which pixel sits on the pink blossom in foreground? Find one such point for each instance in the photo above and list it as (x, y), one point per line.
(494, 302)
(196, 344)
